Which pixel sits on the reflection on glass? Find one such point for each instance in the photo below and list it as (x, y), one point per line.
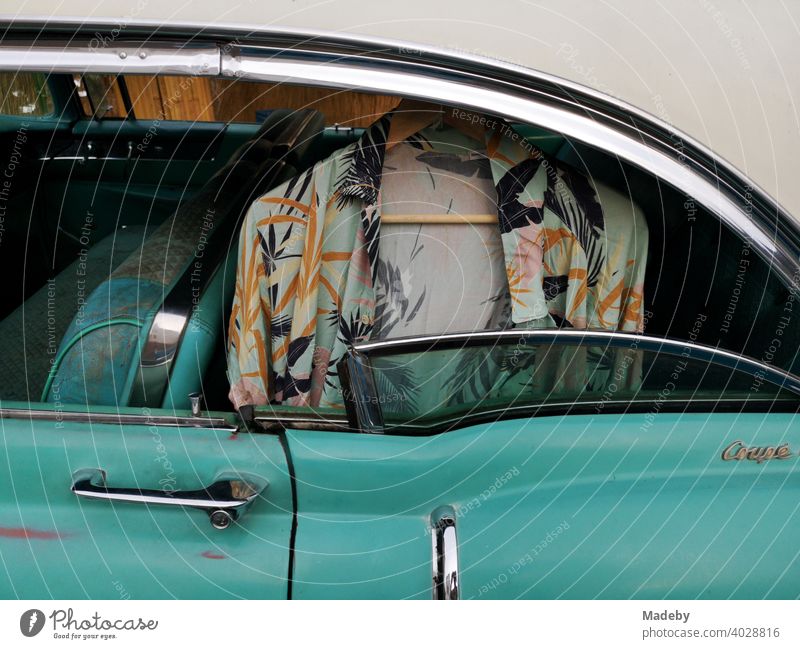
(25, 93)
(427, 387)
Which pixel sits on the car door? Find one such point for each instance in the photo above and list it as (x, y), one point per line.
(573, 507)
(676, 481)
(61, 537)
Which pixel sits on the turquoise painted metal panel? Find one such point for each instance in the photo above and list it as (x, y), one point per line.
(608, 506)
(56, 545)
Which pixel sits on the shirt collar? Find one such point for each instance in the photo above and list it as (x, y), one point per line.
(362, 170)
(362, 162)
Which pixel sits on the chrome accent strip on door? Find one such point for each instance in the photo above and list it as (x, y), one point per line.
(610, 406)
(444, 540)
(300, 421)
(120, 419)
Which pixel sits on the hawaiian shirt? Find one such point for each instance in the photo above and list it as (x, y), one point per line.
(310, 256)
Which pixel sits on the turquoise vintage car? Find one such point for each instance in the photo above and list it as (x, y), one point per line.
(504, 462)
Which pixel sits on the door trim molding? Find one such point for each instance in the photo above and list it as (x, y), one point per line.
(118, 418)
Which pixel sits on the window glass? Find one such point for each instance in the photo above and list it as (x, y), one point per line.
(25, 93)
(100, 95)
(207, 99)
(426, 388)
(238, 101)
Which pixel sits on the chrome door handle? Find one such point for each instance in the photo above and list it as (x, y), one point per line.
(224, 501)
(445, 553)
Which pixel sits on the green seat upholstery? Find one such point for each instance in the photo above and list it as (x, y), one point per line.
(30, 336)
(97, 360)
(200, 339)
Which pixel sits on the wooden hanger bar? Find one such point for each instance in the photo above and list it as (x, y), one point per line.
(441, 219)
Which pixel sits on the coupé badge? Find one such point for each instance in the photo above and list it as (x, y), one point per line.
(738, 451)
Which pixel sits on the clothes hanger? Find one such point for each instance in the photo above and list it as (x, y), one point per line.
(411, 116)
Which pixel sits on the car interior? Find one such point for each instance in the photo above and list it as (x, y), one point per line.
(122, 201)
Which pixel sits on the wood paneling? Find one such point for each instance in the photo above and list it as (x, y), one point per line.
(171, 97)
(226, 100)
(238, 101)
(105, 95)
(189, 96)
(145, 96)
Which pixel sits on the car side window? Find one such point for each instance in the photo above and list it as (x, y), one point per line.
(206, 99)
(422, 387)
(25, 94)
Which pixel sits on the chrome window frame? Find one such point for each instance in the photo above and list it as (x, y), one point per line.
(365, 413)
(261, 53)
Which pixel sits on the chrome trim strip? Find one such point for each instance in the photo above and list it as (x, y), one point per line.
(116, 58)
(277, 423)
(119, 419)
(570, 407)
(271, 423)
(358, 390)
(299, 418)
(580, 337)
(444, 540)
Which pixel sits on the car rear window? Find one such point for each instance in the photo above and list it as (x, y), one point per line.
(25, 93)
(208, 99)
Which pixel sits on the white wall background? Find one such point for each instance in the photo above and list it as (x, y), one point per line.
(725, 71)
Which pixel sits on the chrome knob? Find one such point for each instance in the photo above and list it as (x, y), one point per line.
(220, 519)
